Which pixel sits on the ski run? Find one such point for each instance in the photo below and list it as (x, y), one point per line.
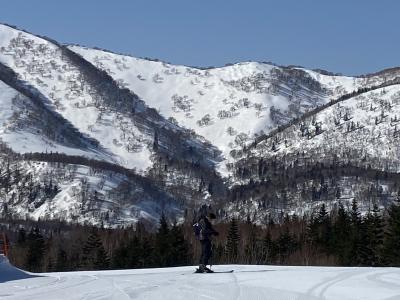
(246, 282)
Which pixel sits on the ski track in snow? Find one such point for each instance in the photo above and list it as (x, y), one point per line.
(247, 282)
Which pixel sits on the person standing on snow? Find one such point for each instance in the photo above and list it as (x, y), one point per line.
(204, 232)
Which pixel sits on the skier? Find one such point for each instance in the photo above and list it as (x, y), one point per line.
(204, 232)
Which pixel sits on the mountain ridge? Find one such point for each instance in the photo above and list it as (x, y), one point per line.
(192, 134)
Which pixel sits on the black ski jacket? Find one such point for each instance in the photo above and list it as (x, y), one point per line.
(207, 230)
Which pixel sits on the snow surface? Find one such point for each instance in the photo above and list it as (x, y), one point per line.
(246, 282)
(206, 101)
(367, 124)
(69, 205)
(9, 272)
(228, 106)
(24, 138)
(42, 65)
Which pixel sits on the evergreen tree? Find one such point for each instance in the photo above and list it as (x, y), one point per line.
(61, 260)
(392, 237)
(341, 241)
(364, 251)
(162, 244)
(134, 253)
(21, 239)
(377, 232)
(252, 251)
(357, 236)
(269, 249)
(35, 250)
(120, 258)
(180, 253)
(325, 229)
(232, 244)
(94, 255)
(320, 230)
(286, 245)
(372, 238)
(148, 257)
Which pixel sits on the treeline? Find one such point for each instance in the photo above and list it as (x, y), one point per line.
(273, 187)
(48, 246)
(338, 238)
(342, 237)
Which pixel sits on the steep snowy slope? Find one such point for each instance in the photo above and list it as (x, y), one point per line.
(50, 186)
(247, 282)
(347, 150)
(53, 101)
(363, 130)
(70, 192)
(340, 85)
(225, 105)
(42, 65)
(228, 105)
(26, 126)
(180, 128)
(120, 122)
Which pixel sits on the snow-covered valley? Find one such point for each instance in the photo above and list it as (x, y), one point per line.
(246, 282)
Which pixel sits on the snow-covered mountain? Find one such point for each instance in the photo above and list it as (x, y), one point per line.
(349, 149)
(184, 134)
(364, 129)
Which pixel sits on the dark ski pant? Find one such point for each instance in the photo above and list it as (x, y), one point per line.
(205, 252)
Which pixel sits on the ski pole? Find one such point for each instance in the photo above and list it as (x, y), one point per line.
(212, 254)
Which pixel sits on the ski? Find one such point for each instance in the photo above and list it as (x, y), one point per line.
(230, 271)
(197, 271)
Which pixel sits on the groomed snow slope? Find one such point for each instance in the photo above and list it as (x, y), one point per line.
(247, 282)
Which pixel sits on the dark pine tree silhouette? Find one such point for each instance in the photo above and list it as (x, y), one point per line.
(378, 231)
(232, 244)
(268, 249)
(162, 244)
(285, 245)
(180, 253)
(357, 236)
(61, 260)
(320, 230)
(373, 239)
(35, 251)
(341, 241)
(94, 255)
(392, 237)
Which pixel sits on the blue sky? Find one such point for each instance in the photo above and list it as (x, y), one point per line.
(350, 37)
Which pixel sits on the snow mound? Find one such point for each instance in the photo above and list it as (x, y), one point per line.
(9, 272)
